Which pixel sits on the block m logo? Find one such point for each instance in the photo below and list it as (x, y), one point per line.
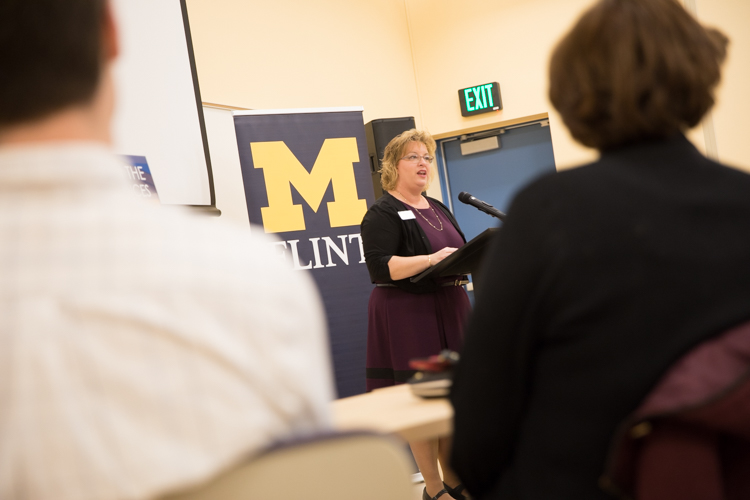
(282, 170)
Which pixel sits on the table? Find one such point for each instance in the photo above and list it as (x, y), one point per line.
(395, 410)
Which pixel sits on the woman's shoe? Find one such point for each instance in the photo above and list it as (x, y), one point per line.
(425, 496)
(457, 492)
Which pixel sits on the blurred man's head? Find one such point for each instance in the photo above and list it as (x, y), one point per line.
(635, 69)
(53, 56)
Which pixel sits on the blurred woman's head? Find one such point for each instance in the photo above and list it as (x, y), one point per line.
(635, 69)
(396, 150)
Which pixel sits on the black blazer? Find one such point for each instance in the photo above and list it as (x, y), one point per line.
(385, 234)
(600, 278)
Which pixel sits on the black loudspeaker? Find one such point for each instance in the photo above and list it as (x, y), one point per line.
(379, 133)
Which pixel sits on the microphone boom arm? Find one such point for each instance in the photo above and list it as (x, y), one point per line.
(485, 207)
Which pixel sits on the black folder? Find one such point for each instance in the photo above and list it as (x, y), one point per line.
(465, 260)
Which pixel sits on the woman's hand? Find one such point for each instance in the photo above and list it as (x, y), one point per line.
(404, 267)
(440, 255)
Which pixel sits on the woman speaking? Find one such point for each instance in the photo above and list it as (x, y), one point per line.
(404, 233)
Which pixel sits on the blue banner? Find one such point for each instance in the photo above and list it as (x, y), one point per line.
(307, 179)
(137, 172)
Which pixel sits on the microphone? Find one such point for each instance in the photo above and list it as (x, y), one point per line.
(485, 207)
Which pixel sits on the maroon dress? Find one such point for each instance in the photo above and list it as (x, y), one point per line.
(403, 325)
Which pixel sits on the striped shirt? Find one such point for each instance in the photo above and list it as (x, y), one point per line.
(142, 349)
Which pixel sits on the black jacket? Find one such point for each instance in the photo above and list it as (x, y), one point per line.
(385, 234)
(600, 278)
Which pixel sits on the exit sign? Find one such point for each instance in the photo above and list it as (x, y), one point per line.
(480, 99)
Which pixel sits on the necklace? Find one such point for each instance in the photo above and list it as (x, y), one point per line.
(425, 218)
(428, 220)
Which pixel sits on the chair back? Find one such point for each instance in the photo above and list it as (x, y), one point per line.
(690, 438)
(348, 466)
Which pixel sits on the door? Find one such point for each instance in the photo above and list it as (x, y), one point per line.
(494, 176)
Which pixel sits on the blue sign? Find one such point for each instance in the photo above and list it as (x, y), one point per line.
(137, 172)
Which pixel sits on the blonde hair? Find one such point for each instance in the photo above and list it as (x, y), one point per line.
(394, 151)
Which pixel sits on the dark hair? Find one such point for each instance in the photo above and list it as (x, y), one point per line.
(50, 56)
(635, 69)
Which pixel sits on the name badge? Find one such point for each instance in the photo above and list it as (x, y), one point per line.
(407, 215)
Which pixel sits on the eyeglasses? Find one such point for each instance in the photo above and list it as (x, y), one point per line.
(414, 158)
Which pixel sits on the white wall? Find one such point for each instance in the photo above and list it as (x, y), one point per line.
(300, 54)
(409, 58)
(225, 163)
(459, 43)
(733, 107)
